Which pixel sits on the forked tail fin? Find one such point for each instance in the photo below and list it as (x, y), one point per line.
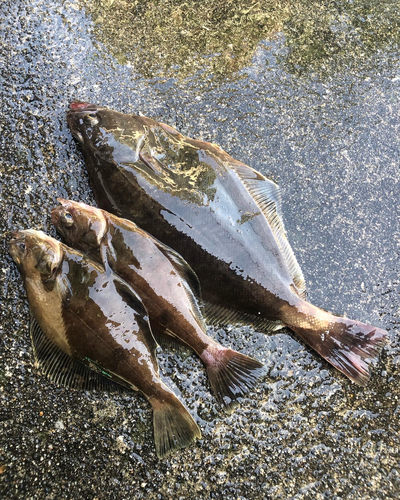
(231, 374)
(174, 427)
(350, 346)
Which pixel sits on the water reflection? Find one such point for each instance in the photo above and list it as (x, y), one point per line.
(327, 36)
(177, 38)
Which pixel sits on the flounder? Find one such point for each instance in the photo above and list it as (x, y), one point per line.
(84, 316)
(224, 218)
(167, 285)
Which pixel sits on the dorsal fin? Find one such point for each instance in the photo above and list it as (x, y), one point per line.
(268, 197)
(60, 368)
(189, 279)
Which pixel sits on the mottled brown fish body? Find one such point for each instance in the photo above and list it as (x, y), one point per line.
(166, 284)
(193, 223)
(134, 255)
(223, 217)
(91, 315)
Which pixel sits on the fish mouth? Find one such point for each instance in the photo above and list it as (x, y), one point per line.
(16, 238)
(80, 116)
(14, 235)
(56, 220)
(55, 215)
(81, 106)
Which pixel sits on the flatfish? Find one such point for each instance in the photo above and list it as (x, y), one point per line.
(224, 218)
(83, 316)
(167, 285)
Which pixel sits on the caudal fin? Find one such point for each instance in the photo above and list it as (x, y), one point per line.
(231, 375)
(352, 350)
(350, 346)
(174, 428)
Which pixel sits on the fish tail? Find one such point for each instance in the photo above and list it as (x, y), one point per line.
(174, 427)
(231, 374)
(350, 346)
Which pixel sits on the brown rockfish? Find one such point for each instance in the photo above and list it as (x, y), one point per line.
(165, 282)
(224, 218)
(80, 313)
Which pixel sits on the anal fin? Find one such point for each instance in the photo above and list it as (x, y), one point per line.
(223, 316)
(60, 368)
(170, 342)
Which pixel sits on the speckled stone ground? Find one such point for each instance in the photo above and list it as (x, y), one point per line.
(324, 123)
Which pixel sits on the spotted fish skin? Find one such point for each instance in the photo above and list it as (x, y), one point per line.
(223, 217)
(89, 314)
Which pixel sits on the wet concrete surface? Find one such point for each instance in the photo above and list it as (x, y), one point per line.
(322, 121)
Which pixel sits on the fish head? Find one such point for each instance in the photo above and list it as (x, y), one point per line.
(105, 133)
(36, 254)
(81, 226)
(122, 150)
(81, 117)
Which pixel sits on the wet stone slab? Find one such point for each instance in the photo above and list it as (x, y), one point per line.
(313, 105)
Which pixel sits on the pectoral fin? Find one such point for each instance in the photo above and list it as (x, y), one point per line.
(108, 256)
(151, 163)
(135, 302)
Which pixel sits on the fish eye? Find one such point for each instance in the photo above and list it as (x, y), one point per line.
(68, 219)
(91, 119)
(21, 246)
